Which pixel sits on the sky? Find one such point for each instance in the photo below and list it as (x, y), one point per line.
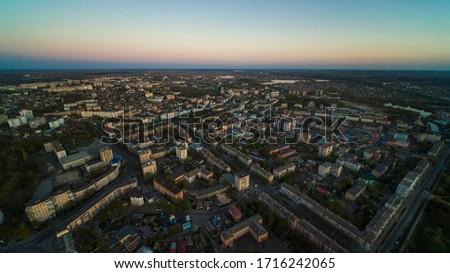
(320, 34)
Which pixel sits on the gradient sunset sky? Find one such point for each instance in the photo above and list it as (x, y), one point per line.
(355, 34)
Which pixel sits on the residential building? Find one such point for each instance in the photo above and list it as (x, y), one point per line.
(181, 152)
(241, 181)
(286, 153)
(349, 164)
(106, 154)
(27, 113)
(428, 138)
(145, 155)
(36, 122)
(381, 168)
(75, 160)
(436, 149)
(3, 118)
(137, 198)
(301, 226)
(210, 191)
(355, 191)
(191, 176)
(278, 149)
(129, 238)
(325, 150)
(94, 166)
(252, 225)
(56, 147)
(205, 174)
(336, 170)
(213, 160)
(149, 167)
(177, 175)
(41, 211)
(168, 188)
(369, 153)
(56, 123)
(407, 184)
(281, 171)
(93, 207)
(325, 169)
(341, 224)
(257, 169)
(237, 153)
(367, 178)
(44, 209)
(383, 217)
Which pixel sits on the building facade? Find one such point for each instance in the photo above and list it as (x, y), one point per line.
(241, 181)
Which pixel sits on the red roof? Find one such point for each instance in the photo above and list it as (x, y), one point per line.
(234, 210)
(323, 190)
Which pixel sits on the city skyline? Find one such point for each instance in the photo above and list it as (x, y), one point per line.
(222, 35)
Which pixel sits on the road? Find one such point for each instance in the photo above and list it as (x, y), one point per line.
(416, 201)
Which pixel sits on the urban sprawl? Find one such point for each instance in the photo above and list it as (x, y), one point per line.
(218, 161)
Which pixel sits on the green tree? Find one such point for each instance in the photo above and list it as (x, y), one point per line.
(249, 248)
(271, 219)
(23, 232)
(25, 156)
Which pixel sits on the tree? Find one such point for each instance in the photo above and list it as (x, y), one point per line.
(184, 205)
(25, 156)
(23, 232)
(410, 246)
(249, 248)
(340, 205)
(175, 229)
(271, 219)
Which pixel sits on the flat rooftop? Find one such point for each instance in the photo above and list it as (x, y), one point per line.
(168, 185)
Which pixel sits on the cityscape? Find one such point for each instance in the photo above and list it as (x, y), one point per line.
(188, 146)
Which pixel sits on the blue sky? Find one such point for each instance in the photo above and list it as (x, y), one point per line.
(225, 34)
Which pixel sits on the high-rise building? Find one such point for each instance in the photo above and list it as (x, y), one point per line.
(241, 181)
(325, 150)
(325, 169)
(149, 167)
(182, 152)
(145, 155)
(106, 154)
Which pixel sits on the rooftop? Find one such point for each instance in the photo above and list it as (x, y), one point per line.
(168, 185)
(252, 222)
(242, 174)
(57, 146)
(74, 157)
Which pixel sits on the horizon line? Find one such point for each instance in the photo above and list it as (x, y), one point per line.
(229, 69)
